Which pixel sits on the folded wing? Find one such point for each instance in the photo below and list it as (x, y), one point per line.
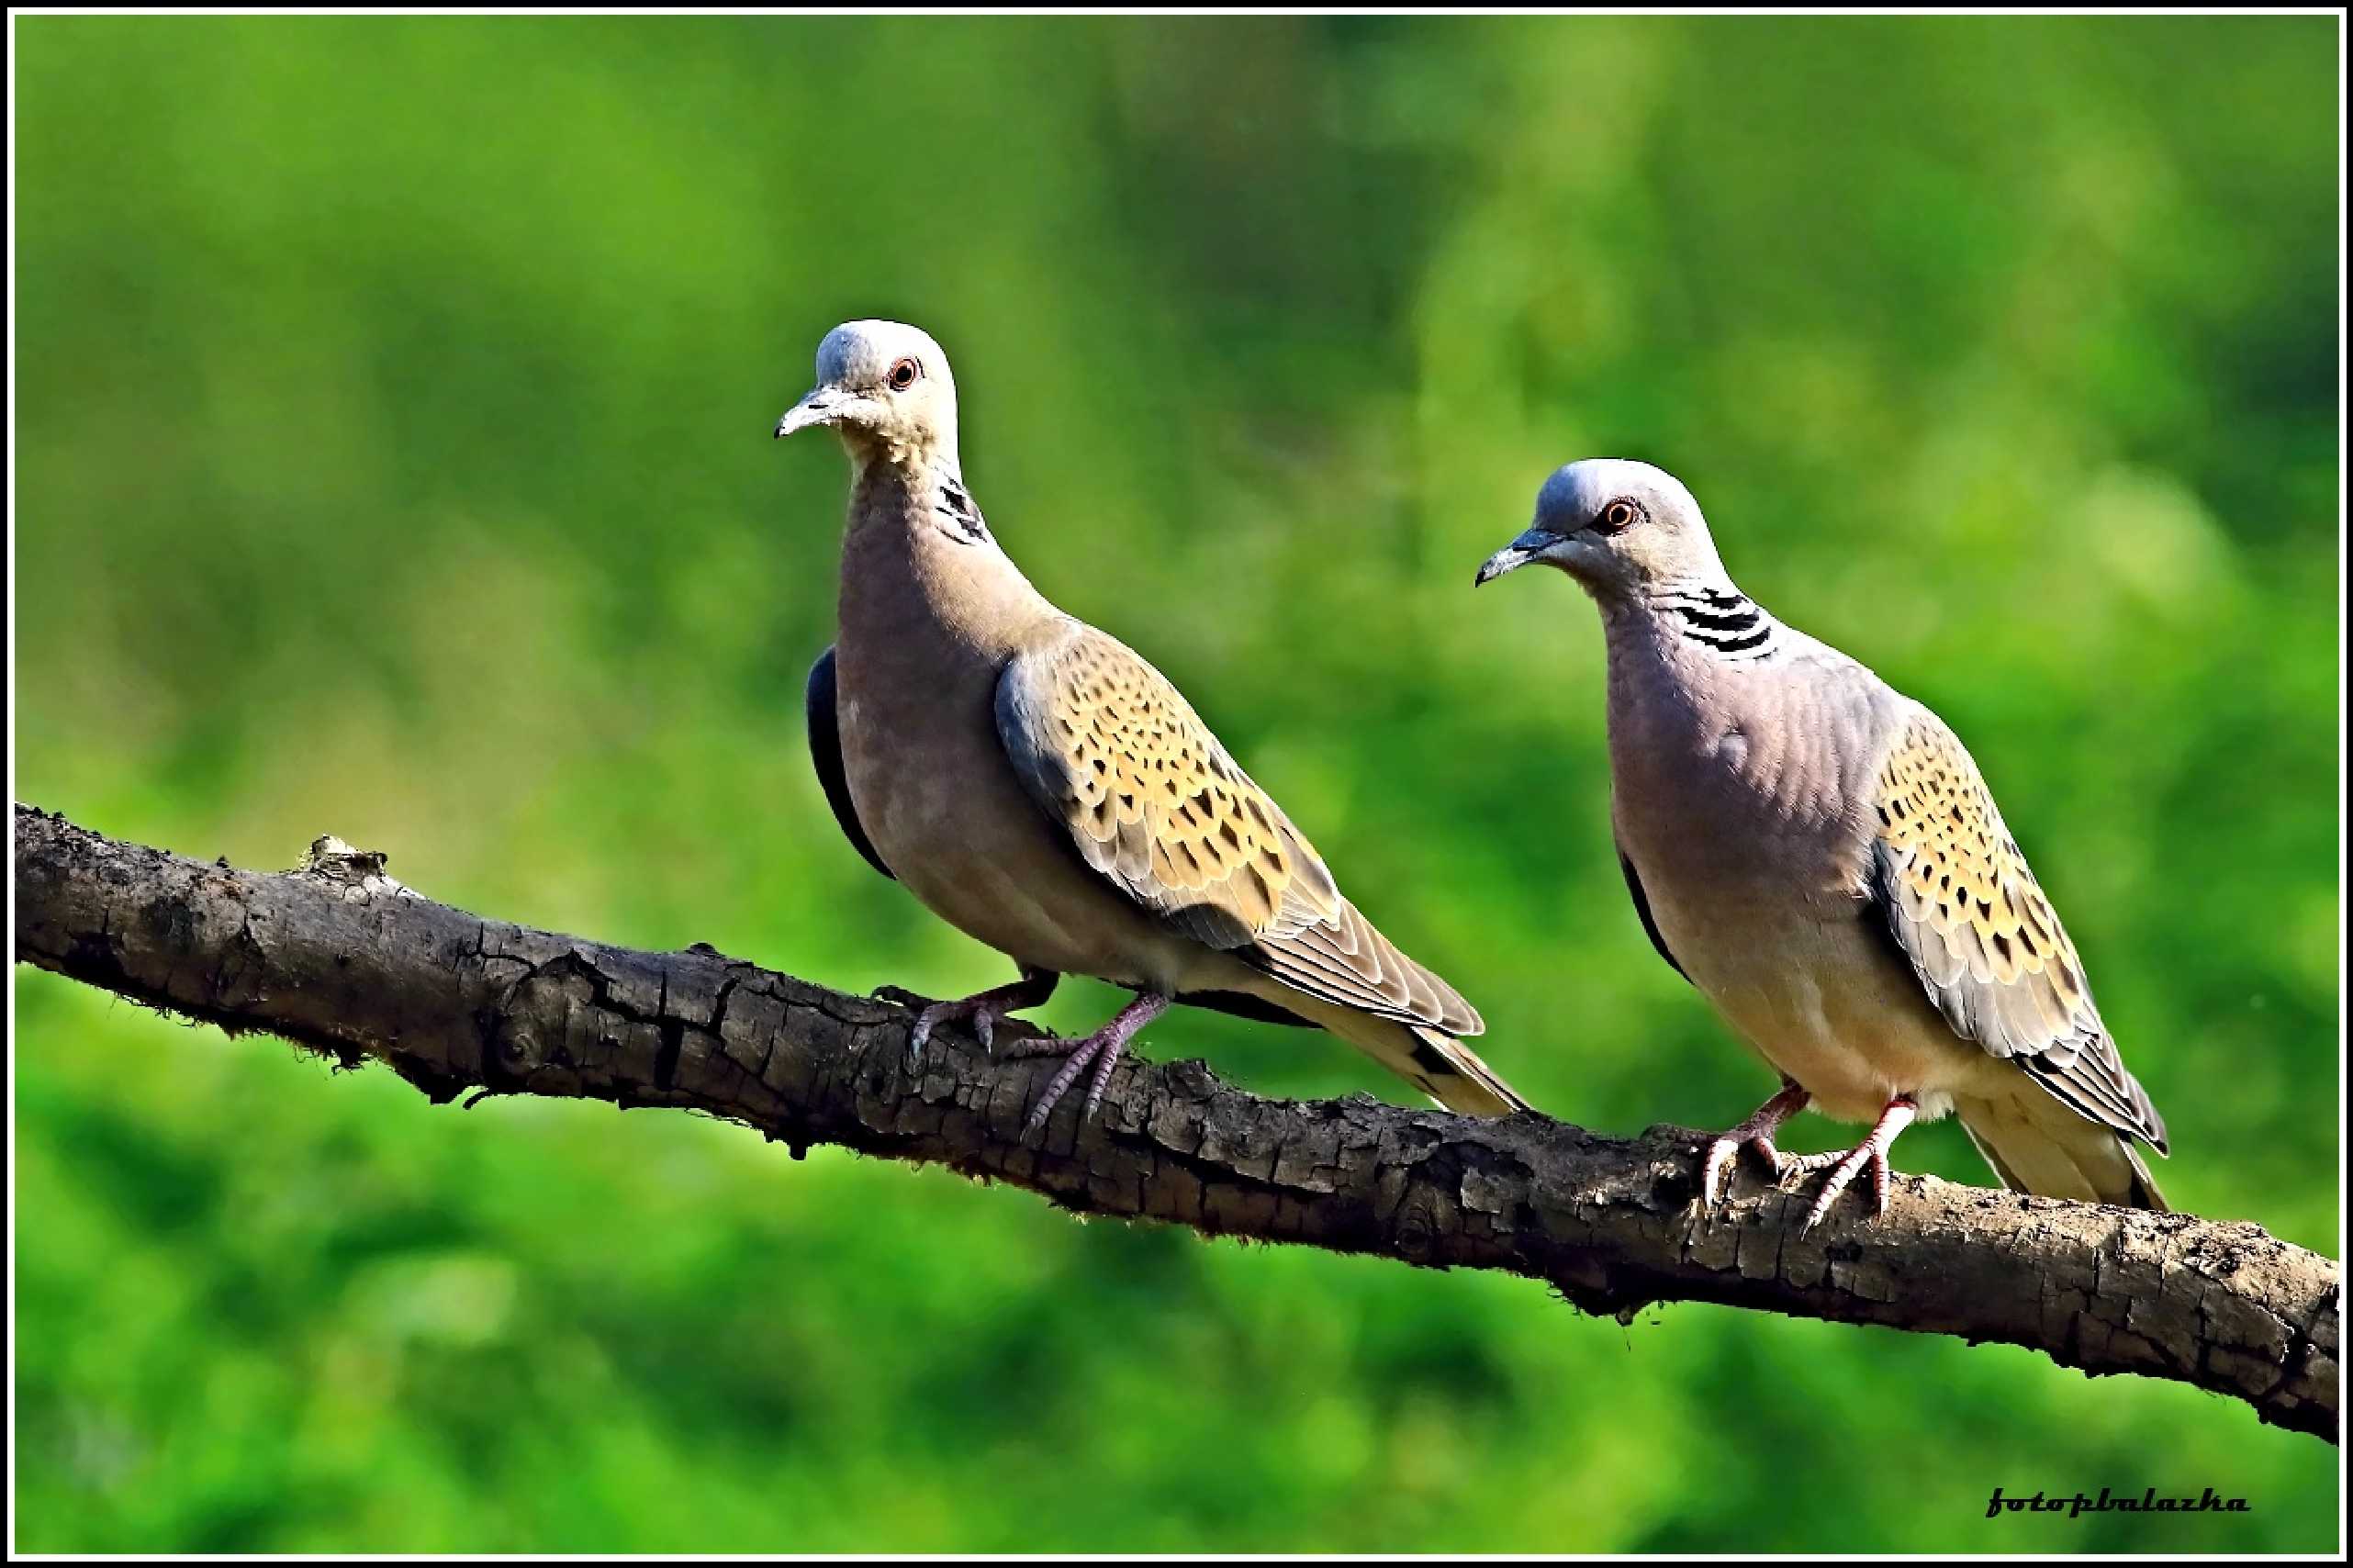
(1956, 895)
(1113, 754)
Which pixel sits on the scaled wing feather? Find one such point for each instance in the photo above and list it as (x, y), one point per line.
(1959, 899)
(1115, 757)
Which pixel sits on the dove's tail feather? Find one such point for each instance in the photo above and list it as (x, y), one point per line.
(1434, 1062)
(2036, 1144)
(1465, 1082)
(1424, 1056)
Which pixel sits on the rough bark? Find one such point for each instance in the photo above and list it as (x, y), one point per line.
(339, 958)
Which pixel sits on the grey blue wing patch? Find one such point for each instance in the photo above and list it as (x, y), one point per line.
(1642, 911)
(825, 751)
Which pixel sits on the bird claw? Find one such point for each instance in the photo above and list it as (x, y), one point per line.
(983, 1013)
(980, 1015)
(1100, 1050)
(972, 1013)
(1724, 1153)
(1849, 1165)
(1091, 1049)
(1844, 1168)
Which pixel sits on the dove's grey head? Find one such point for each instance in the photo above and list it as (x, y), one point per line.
(884, 388)
(1618, 526)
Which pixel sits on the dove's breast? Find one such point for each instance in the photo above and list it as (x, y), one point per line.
(1735, 798)
(927, 623)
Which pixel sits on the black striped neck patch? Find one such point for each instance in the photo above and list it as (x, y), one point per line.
(1717, 617)
(959, 514)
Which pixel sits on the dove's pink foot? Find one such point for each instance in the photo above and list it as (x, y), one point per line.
(981, 1014)
(1103, 1050)
(1757, 1134)
(1872, 1151)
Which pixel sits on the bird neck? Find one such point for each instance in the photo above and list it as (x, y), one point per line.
(918, 562)
(1702, 615)
(917, 491)
(908, 446)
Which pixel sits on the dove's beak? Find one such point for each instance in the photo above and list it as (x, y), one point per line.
(824, 405)
(1528, 547)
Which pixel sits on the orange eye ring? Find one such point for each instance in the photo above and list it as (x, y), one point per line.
(904, 373)
(1618, 517)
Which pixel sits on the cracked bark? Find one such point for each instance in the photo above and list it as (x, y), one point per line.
(341, 959)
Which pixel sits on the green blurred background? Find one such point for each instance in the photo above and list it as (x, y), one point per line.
(393, 411)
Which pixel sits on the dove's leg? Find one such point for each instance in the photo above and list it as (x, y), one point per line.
(1757, 1133)
(1103, 1050)
(982, 1013)
(1871, 1151)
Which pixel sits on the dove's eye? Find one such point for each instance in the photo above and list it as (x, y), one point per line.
(1618, 517)
(903, 374)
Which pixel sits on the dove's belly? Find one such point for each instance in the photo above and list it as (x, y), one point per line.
(1811, 990)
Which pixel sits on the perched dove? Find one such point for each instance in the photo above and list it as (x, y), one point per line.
(1816, 854)
(1043, 789)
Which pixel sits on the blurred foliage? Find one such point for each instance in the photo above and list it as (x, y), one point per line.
(393, 401)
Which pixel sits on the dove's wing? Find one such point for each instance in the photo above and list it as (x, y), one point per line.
(825, 751)
(1954, 890)
(1118, 761)
(1642, 911)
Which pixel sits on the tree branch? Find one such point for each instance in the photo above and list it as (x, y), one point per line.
(339, 958)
